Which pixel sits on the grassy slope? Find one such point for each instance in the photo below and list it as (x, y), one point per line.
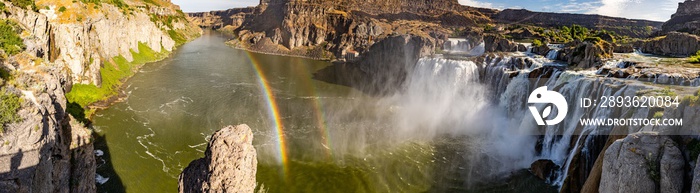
(114, 73)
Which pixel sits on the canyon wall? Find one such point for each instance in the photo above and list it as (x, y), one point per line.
(686, 18)
(66, 43)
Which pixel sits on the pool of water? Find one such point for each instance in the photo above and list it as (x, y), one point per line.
(310, 135)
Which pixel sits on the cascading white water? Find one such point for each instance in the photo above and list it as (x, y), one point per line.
(444, 96)
(457, 45)
(463, 47)
(552, 54)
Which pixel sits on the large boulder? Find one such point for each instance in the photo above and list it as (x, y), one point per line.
(544, 169)
(643, 162)
(229, 164)
(675, 44)
(498, 43)
(587, 54)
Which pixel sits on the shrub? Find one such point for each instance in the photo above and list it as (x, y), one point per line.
(9, 104)
(24, 4)
(537, 43)
(9, 38)
(594, 40)
(695, 58)
(62, 9)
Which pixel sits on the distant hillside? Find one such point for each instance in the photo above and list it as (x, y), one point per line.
(621, 26)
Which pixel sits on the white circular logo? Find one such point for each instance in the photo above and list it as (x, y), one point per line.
(543, 96)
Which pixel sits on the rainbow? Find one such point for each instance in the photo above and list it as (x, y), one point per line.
(319, 116)
(283, 157)
(273, 111)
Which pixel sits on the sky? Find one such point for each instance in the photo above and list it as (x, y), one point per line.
(656, 10)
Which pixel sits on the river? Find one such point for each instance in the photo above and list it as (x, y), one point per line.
(310, 135)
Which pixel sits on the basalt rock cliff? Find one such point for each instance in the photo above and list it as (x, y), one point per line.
(331, 29)
(66, 43)
(229, 164)
(686, 18)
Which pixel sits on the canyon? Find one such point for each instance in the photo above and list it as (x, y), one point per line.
(428, 73)
(68, 44)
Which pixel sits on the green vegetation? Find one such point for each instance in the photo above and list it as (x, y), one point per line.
(10, 41)
(659, 115)
(488, 28)
(177, 37)
(653, 168)
(537, 43)
(693, 100)
(695, 58)
(9, 104)
(24, 4)
(166, 24)
(566, 34)
(113, 73)
(62, 9)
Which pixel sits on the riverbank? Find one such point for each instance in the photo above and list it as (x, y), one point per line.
(85, 99)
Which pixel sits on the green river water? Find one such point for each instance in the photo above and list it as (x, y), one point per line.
(338, 139)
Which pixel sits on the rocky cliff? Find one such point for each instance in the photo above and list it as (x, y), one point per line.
(686, 18)
(84, 36)
(63, 44)
(622, 26)
(643, 162)
(229, 164)
(329, 29)
(47, 150)
(677, 44)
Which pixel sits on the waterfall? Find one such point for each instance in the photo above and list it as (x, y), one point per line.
(457, 45)
(488, 102)
(552, 54)
(448, 97)
(464, 47)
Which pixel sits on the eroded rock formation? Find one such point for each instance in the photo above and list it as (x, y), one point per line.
(586, 54)
(643, 162)
(677, 44)
(686, 18)
(229, 164)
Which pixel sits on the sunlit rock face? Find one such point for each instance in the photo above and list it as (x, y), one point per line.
(676, 44)
(229, 164)
(643, 162)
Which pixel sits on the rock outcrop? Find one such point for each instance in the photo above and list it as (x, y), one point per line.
(544, 169)
(643, 162)
(47, 150)
(686, 18)
(229, 164)
(676, 44)
(498, 43)
(586, 54)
